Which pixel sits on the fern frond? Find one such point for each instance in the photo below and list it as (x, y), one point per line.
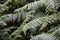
(39, 22)
(33, 6)
(43, 37)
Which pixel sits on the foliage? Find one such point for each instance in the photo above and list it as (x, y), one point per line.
(29, 19)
